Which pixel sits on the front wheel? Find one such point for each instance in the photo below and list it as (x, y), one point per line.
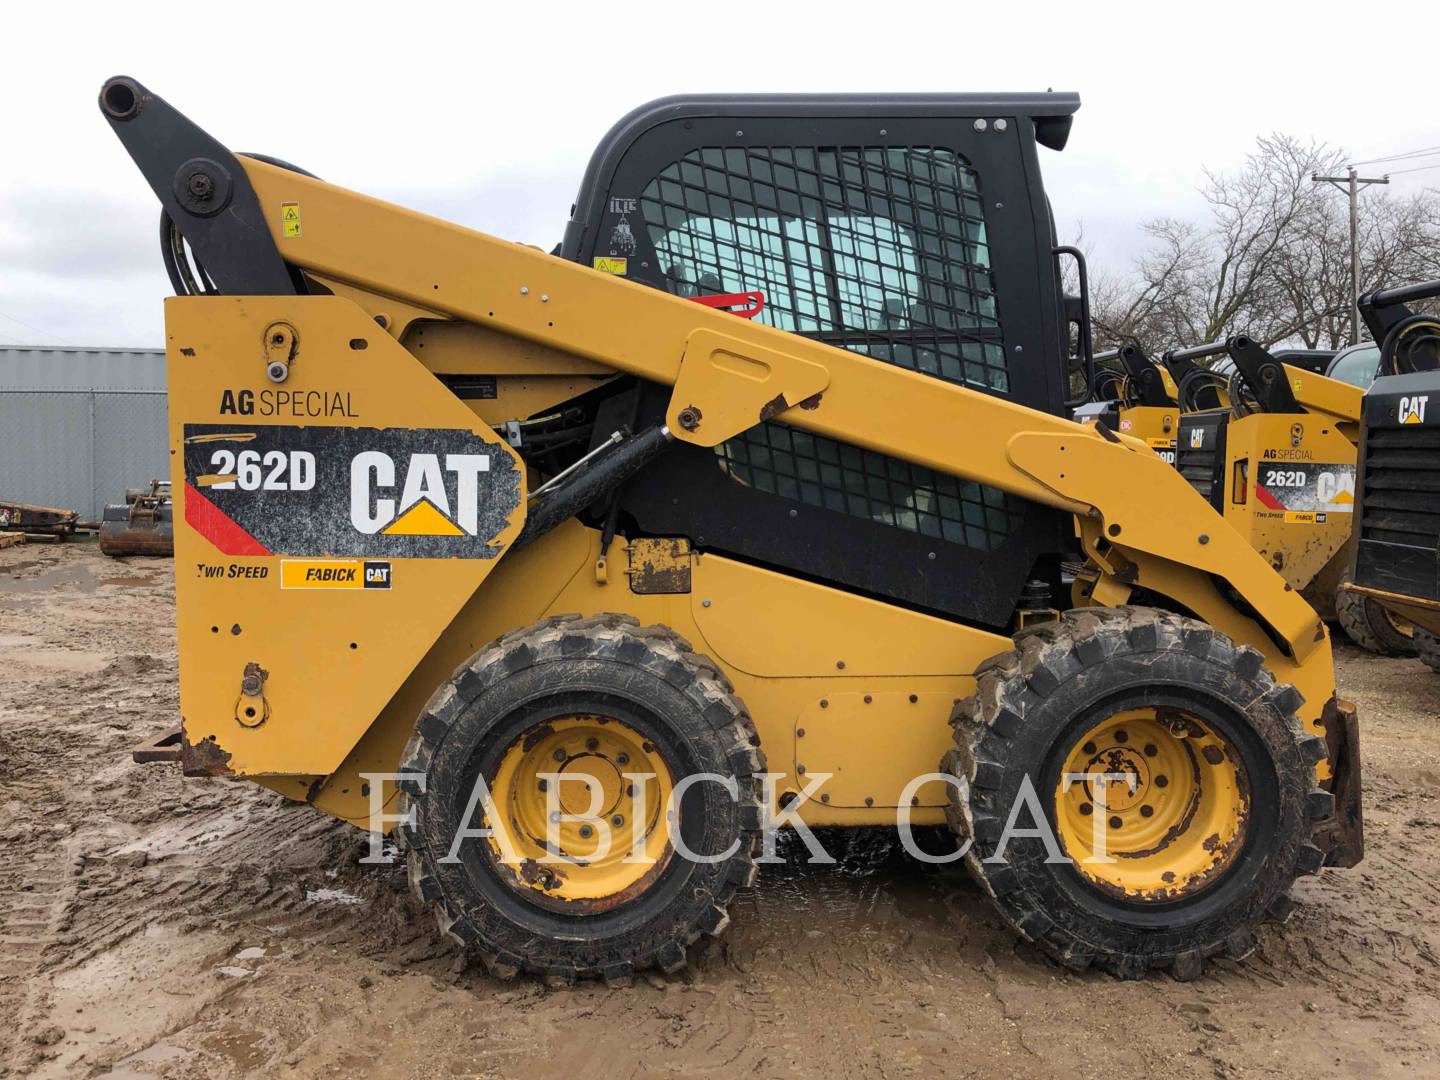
(1175, 783)
(603, 859)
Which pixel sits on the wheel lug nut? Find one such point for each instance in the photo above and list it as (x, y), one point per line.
(622, 759)
(1121, 735)
(1089, 748)
(586, 832)
(544, 785)
(1116, 822)
(559, 754)
(1150, 749)
(592, 744)
(1147, 811)
(617, 820)
(1086, 809)
(1162, 780)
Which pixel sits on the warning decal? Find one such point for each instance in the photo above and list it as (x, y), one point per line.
(606, 265)
(290, 219)
(348, 492)
(1305, 492)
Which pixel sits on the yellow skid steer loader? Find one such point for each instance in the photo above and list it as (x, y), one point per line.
(747, 507)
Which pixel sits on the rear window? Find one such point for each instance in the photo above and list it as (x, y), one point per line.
(1356, 366)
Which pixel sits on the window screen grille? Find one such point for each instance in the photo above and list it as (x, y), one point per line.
(877, 249)
(818, 471)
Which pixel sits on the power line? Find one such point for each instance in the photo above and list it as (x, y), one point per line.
(1418, 168)
(1426, 152)
(37, 330)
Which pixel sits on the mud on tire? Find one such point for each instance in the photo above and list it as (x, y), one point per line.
(1033, 702)
(607, 664)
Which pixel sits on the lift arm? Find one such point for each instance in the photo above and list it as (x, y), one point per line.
(1140, 520)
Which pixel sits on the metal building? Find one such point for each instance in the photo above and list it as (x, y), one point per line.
(79, 426)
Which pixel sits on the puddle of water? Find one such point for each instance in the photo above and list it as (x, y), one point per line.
(77, 575)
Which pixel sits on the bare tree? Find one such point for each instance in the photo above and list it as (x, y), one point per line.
(1399, 242)
(1270, 260)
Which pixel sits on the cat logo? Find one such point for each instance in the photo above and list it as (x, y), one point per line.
(1412, 409)
(425, 504)
(1197, 438)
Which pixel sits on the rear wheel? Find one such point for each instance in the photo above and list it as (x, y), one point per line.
(634, 710)
(1205, 813)
(1371, 626)
(1427, 647)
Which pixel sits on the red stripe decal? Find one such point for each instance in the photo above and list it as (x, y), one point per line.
(218, 527)
(1269, 501)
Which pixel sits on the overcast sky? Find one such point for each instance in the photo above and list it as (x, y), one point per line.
(486, 113)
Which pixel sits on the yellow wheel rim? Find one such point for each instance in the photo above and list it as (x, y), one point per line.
(1175, 822)
(563, 863)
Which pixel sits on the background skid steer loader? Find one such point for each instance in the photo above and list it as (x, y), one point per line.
(1135, 396)
(1397, 557)
(1278, 462)
(456, 510)
(1276, 455)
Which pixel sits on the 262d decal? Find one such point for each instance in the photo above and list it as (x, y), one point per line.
(358, 492)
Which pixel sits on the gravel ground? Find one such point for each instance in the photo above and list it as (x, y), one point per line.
(151, 925)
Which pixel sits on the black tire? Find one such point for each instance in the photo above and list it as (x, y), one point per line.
(1035, 701)
(650, 678)
(1369, 625)
(1427, 648)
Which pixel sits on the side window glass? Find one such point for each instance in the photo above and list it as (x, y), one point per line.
(879, 250)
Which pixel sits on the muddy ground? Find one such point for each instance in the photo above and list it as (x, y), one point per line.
(151, 925)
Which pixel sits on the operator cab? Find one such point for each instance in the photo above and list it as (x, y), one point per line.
(1357, 365)
(911, 228)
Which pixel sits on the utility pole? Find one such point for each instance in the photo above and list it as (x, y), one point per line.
(1352, 183)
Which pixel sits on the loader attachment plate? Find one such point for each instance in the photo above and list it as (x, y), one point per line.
(329, 524)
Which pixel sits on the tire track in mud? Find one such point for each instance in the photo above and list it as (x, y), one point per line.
(41, 892)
